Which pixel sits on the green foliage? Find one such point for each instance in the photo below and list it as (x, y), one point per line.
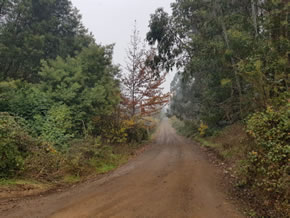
(266, 167)
(89, 156)
(119, 131)
(15, 182)
(14, 144)
(56, 126)
(226, 82)
(137, 133)
(72, 91)
(21, 154)
(185, 128)
(71, 179)
(85, 84)
(231, 56)
(56, 86)
(233, 61)
(23, 99)
(44, 163)
(34, 30)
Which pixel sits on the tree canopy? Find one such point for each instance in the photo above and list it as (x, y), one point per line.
(32, 30)
(232, 56)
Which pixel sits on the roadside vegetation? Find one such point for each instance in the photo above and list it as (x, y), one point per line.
(231, 91)
(66, 111)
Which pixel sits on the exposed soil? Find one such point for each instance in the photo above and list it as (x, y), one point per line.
(171, 179)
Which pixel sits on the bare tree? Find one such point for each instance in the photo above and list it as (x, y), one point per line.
(142, 92)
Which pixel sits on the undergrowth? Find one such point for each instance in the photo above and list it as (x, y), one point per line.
(258, 152)
(25, 159)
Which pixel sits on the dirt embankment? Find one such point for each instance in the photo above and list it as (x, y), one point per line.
(171, 179)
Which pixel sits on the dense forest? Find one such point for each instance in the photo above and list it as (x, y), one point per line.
(65, 108)
(233, 67)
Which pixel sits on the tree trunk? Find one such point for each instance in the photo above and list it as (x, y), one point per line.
(225, 35)
(254, 16)
(234, 66)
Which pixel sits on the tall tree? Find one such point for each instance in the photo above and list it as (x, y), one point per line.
(141, 89)
(86, 84)
(32, 30)
(226, 52)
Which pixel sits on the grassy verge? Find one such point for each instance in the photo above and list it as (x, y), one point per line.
(231, 144)
(16, 182)
(33, 164)
(81, 164)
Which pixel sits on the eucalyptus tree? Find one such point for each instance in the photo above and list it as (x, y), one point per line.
(225, 51)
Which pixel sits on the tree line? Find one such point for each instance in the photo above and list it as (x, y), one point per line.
(57, 86)
(233, 66)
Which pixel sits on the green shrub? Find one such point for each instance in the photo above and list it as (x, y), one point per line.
(186, 128)
(89, 156)
(122, 131)
(21, 155)
(79, 155)
(56, 126)
(267, 165)
(44, 163)
(137, 133)
(14, 145)
(111, 129)
(24, 100)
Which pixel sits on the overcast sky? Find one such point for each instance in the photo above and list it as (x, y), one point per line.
(112, 21)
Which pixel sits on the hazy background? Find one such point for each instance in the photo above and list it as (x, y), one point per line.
(112, 21)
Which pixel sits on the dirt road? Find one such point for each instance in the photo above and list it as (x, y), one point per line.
(171, 179)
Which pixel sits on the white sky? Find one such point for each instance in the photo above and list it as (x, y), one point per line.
(112, 21)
